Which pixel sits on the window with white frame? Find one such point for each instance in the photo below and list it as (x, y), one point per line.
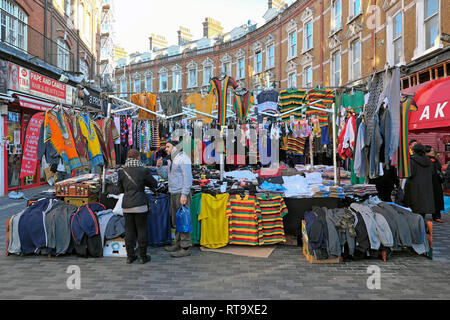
(163, 82)
(292, 44)
(258, 62)
(336, 68)
(192, 78)
(13, 26)
(354, 8)
(176, 80)
(207, 74)
(63, 54)
(355, 60)
(292, 80)
(397, 42)
(270, 54)
(226, 67)
(84, 69)
(241, 68)
(307, 35)
(307, 77)
(148, 82)
(137, 83)
(123, 87)
(336, 15)
(431, 21)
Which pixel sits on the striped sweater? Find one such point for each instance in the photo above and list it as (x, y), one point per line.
(245, 220)
(273, 209)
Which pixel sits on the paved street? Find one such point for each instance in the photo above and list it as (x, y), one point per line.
(205, 275)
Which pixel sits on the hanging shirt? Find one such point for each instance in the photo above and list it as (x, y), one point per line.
(273, 209)
(89, 132)
(214, 220)
(220, 89)
(202, 103)
(289, 100)
(327, 99)
(242, 104)
(245, 220)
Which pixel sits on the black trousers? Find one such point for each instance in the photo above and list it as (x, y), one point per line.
(136, 228)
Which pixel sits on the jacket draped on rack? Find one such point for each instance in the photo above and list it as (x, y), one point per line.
(89, 132)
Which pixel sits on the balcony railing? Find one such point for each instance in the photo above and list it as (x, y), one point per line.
(25, 38)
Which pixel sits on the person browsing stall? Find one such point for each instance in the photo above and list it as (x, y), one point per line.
(178, 172)
(132, 181)
(437, 179)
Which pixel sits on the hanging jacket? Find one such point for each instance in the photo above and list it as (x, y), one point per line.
(93, 143)
(84, 221)
(32, 232)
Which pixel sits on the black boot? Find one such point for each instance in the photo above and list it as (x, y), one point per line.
(131, 255)
(143, 254)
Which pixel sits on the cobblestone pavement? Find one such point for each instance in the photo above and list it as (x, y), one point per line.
(206, 275)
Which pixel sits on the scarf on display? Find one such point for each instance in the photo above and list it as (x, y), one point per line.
(404, 165)
(133, 163)
(242, 104)
(220, 89)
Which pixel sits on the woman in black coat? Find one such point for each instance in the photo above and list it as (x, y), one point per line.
(419, 186)
(437, 179)
(132, 181)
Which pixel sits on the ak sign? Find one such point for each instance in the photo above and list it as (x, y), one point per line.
(433, 103)
(93, 99)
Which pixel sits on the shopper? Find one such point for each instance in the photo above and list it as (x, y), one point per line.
(419, 186)
(438, 179)
(132, 181)
(179, 174)
(386, 183)
(412, 143)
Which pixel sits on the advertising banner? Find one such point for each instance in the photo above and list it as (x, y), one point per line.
(29, 158)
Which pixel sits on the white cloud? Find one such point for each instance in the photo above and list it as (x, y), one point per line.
(137, 19)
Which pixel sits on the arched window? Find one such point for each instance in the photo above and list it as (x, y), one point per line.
(84, 69)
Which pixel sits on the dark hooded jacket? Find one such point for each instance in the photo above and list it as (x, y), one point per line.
(419, 187)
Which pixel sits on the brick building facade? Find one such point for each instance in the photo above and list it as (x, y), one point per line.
(330, 43)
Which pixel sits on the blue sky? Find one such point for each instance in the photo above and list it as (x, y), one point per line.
(137, 19)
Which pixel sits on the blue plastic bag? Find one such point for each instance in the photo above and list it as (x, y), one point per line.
(184, 220)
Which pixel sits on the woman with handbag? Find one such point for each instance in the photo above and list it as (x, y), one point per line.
(132, 181)
(438, 180)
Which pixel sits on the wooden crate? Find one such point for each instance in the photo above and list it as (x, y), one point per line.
(308, 255)
(73, 190)
(78, 201)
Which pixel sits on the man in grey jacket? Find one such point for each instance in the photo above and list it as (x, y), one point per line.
(179, 174)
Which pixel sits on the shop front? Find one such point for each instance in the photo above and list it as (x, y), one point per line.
(33, 94)
(430, 124)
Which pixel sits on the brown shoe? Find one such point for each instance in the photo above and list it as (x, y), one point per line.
(181, 253)
(172, 248)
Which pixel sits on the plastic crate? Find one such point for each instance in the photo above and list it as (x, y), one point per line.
(115, 248)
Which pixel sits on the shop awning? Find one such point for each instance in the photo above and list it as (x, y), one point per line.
(31, 103)
(433, 103)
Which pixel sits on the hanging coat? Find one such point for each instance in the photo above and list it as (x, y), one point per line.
(419, 194)
(93, 143)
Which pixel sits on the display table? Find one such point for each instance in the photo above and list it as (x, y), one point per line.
(298, 206)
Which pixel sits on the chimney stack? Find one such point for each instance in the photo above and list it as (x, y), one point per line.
(151, 43)
(270, 4)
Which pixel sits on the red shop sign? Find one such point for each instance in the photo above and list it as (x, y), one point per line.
(48, 86)
(29, 157)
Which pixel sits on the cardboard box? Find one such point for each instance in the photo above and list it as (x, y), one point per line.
(115, 248)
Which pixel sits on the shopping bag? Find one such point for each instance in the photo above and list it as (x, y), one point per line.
(184, 220)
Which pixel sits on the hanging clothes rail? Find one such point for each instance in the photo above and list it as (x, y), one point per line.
(133, 106)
